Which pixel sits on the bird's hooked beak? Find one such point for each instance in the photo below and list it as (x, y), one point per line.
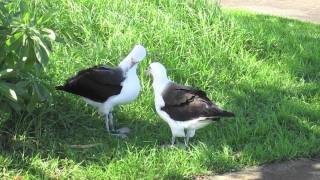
(148, 72)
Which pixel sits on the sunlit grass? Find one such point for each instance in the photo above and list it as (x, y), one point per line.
(265, 69)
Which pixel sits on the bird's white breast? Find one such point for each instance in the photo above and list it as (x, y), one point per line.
(130, 89)
(178, 127)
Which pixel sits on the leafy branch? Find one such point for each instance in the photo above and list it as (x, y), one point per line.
(25, 47)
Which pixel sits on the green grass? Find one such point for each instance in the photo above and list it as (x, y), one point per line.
(264, 68)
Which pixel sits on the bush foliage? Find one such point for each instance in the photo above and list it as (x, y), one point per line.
(25, 46)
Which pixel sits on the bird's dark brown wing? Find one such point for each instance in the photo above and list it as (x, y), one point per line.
(97, 83)
(183, 103)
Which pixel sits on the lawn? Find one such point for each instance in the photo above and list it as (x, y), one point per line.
(263, 68)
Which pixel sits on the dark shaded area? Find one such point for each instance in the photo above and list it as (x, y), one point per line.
(288, 42)
(276, 117)
(72, 131)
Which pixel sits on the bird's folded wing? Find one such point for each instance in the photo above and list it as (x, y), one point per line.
(184, 103)
(101, 75)
(96, 83)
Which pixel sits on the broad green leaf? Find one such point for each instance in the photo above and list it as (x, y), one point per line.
(36, 48)
(41, 51)
(31, 104)
(38, 67)
(15, 42)
(39, 20)
(30, 53)
(25, 40)
(15, 106)
(35, 32)
(26, 18)
(38, 40)
(7, 91)
(21, 88)
(51, 35)
(27, 51)
(22, 84)
(44, 56)
(4, 108)
(5, 72)
(47, 42)
(41, 91)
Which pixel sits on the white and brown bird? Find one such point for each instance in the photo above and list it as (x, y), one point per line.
(105, 87)
(184, 108)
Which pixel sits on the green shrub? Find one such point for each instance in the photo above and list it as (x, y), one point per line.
(24, 46)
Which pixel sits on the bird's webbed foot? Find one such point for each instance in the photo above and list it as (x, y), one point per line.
(121, 132)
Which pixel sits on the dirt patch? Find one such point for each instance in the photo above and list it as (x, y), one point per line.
(302, 169)
(305, 10)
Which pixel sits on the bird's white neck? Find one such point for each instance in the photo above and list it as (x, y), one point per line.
(160, 83)
(132, 71)
(125, 65)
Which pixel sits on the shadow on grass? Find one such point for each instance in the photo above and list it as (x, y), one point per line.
(292, 43)
(71, 130)
(274, 121)
(271, 126)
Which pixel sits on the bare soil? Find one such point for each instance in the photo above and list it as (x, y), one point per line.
(303, 169)
(305, 10)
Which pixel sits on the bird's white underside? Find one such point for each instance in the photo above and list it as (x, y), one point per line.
(130, 86)
(129, 92)
(130, 89)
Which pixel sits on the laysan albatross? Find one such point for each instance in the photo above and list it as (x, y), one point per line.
(105, 87)
(184, 108)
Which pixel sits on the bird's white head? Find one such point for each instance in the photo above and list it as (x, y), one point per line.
(137, 54)
(158, 72)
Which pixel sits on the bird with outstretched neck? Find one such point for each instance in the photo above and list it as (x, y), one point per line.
(105, 87)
